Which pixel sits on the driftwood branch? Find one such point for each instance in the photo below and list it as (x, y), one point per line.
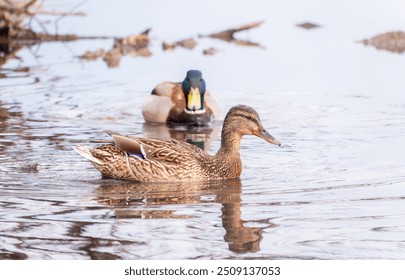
(24, 9)
(56, 13)
(14, 13)
(228, 34)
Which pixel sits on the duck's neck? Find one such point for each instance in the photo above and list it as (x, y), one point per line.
(230, 143)
(228, 155)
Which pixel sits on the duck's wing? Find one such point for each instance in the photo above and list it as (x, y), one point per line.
(125, 143)
(170, 151)
(212, 104)
(165, 89)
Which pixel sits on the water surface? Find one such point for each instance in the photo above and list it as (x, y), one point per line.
(334, 190)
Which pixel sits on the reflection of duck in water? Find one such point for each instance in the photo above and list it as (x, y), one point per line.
(240, 238)
(152, 160)
(187, 103)
(200, 136)
(124, 197)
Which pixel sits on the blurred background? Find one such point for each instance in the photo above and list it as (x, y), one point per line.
(323, 83)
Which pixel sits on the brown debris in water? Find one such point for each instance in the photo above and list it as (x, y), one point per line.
(92, 55)
(389, 41)
(210, 51)
(188, 43)
(16, 33)
(134, 45)
(112, 57)
(228, 34)
(22, 69)
(308, 25)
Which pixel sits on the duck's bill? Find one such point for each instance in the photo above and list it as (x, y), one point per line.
(194, 101)
(266, 136)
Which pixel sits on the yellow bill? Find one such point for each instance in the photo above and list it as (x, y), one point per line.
(194, 99)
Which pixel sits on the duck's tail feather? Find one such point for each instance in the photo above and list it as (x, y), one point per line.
(86, 153)
(112, 132)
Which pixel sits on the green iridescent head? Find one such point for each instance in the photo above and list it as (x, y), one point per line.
(194, 89)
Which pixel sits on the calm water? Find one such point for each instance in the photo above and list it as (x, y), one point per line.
(334, 190)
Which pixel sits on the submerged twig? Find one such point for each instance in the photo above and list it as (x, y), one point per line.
(70, 13)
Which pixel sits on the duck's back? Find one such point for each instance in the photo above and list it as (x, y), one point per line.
(159, 103)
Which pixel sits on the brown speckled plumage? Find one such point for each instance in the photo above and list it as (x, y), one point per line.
(168, 161)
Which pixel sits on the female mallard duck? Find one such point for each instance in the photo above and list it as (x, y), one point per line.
(153, 160)
(187, 102)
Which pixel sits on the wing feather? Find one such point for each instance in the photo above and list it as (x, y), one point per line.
(168, 151)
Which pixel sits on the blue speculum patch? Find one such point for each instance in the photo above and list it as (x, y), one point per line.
(135, 155)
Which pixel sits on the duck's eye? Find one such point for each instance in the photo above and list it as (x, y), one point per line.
(201, 80)
(249, 117)
(188, 79)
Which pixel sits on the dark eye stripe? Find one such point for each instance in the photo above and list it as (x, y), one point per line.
(248, 117)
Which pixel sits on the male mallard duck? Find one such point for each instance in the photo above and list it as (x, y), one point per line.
(187, 102)
(154, 160)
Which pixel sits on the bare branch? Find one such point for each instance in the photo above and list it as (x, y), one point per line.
(56, 13)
